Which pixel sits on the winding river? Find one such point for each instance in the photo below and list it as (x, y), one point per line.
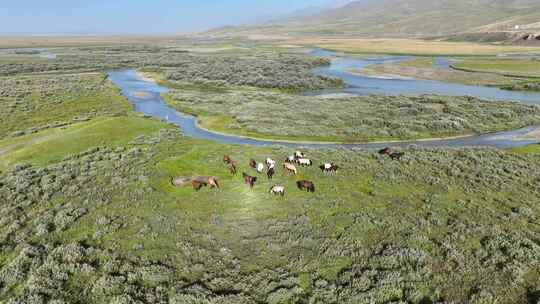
(145, 96)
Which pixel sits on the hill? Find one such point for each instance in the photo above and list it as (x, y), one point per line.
(415, 18)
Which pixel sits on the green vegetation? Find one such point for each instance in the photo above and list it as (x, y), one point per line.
(528, 149)
(423, 68)
(88, 213)
(272, 115)
(527, 71)
(106, 225)
(526, 68)
(52, 145)
(33, 103)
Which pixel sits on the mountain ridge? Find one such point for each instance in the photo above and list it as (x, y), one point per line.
(412, 19)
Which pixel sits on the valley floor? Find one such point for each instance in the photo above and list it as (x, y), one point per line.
(88, 213)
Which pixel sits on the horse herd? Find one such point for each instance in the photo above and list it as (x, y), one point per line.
(289, 166)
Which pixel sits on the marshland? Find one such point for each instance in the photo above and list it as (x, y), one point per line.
(116, 183)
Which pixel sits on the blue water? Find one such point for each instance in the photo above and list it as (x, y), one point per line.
(366, 85)
(145, 96)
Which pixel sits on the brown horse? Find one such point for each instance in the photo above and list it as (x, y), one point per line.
(232, 167)
(213, 182)
(386, 151)
(306, 185)
(270, 173)
(250, 180)
(290, 168)
(227, 159)
(253, 163)
(397, 155)
(197, 185)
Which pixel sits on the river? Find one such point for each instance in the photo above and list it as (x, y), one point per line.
(145, 96)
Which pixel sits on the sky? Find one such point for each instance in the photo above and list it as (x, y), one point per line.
(138, 16)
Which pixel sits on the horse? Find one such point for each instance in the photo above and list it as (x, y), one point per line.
(270, 173)
(299, 154)
(253, 163)
(385, 151)
(290, 168)
(277, 190)
(290, 159)
(213, 182)
(197, 185)
(260, 167)
(232, 167)
(270, 163)
(397, 155)
(250, 180)
(304, 162)
(227, 159)
(306, 185)
(329, 167)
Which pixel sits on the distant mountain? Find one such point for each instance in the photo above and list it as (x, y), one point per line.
(409, 18)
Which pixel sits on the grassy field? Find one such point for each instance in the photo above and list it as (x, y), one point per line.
(111, 227)
(32, 103)
(53, 144)
(410, 47)
(526, 68)
(274, 115)
(423, 68)
(88, 213)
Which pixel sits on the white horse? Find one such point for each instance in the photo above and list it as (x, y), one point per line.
(270, 163)
(299, 154)
(260, 167)
(304, 162)
(278, 190)
(290, 159)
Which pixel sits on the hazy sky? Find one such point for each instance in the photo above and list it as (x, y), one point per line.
(137, 16)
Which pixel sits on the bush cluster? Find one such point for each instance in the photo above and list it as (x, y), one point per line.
(355, 118)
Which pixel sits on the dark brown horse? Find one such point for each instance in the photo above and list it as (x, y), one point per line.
(397, 155)
(270, 173)
(232, 167)
(309, 186)
(250, 180)
(253, 163)
(386, 151)
(213, 182)
(197, 185)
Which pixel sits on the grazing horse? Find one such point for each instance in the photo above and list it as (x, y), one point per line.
(253, 163)
(213, 182)
(197, 185)
(270, 173)
(250, 180)
(385, 151)
(329, 167)
(306, 185)
(304, 162)
(278, 190)
(232, 167)
(299, 154)
(397, 155)
(290, 159)
(260, 167)
(290, 168)
(270, 163)
(227, 159)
